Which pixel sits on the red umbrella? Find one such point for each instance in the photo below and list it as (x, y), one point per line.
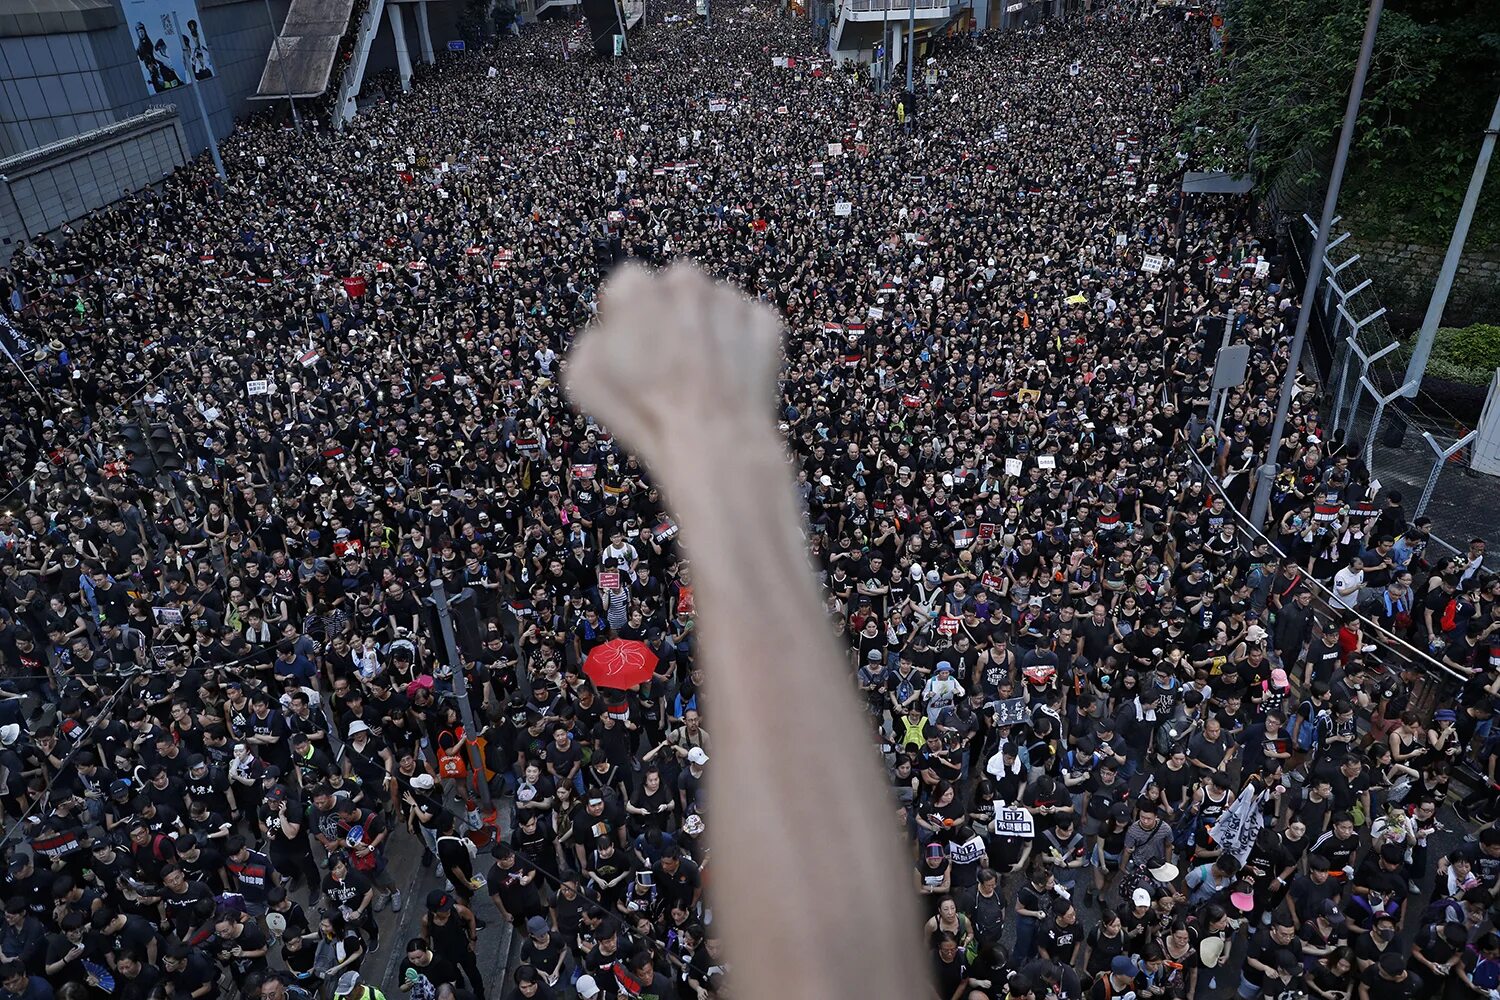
(620, 663)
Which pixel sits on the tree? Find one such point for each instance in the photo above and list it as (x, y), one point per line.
(1433, 79)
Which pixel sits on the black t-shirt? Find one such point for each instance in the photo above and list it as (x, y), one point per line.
(1061, 943)
(1409, 988)
(437, 972)
(1263, 949)
(947, 975)
(518, 899)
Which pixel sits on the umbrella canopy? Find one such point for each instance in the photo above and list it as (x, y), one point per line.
(620, 663)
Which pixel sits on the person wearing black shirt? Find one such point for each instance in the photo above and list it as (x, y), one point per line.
(422, 963)
(1389, 979)
(188, 905)
(1339, 846)
(192, 973)
(1061, 937)
(515, 885)
(1264, 949)
(950, 970)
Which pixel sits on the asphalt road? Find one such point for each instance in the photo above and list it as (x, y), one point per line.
(496, 944)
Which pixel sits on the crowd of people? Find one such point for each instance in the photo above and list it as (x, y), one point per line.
(1133, 751)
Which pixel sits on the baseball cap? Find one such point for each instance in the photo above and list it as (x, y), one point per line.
(697, 756)
(439, 901)
(422, 781)
(1330, 912)
(1122, 965)
(1279, 679)
(348, 983)
(1141, 897)
(586, 987)
(538, 926)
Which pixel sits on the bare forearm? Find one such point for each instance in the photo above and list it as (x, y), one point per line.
(759, 608)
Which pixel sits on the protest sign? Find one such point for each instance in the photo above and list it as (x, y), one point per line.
(609, 579)
(1010, 712)
(1152, 263)
(1014, 821)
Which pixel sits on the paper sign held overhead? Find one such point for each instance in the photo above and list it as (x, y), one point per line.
(1046, 461)
(1153, 263)
(609, 579)
(1010, 712)
(1014, 822)
(843, 208)
(258, 387)
(1012, 466)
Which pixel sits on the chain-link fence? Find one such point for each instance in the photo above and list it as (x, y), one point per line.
(1361, 375)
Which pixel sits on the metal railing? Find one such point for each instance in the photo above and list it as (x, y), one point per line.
(1441, 680)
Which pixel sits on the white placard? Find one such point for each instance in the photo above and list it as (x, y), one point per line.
(1046, 462)
(843, 208)
(620, 176)
(1014, 822)
(1262, 268)
(1121, 239)
(938, 283)
(258, 387)
(835, 149)
(876, 312)
(1012, 466)
(1152, 263)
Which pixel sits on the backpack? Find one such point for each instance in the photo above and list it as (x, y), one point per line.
(1306, 736)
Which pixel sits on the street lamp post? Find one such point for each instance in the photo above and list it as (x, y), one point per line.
(911, 41)
(1267, 473)
(286, 81)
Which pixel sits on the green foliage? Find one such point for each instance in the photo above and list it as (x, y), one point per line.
(1467, 354)
(1433, 80)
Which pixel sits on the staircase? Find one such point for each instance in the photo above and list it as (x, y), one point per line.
(354, 75)
(300, 62)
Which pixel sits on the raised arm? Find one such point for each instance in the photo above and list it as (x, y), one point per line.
(683, 370)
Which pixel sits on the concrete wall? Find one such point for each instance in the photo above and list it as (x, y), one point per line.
(45, 188)
(63, 75)
(1405, 273)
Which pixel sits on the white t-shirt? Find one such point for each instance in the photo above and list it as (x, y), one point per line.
(1344, 580)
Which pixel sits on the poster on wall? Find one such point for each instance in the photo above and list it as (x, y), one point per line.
(169, 42)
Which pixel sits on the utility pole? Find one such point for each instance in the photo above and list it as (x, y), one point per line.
(885, 48)
(911, 44)
(1422, 350)
(441, 602)
(286, 81)
(1266, 475)
(187, 69)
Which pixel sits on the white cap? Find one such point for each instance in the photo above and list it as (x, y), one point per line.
(586, 987)
(1141, 897)
(697, 756)
(422, 781)
(9, 733)
(358, 726)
